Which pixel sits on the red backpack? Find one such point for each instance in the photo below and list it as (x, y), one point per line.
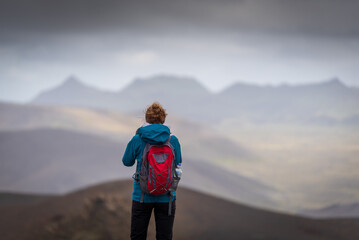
(158, 170)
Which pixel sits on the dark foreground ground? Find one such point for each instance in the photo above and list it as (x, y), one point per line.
(103, 212)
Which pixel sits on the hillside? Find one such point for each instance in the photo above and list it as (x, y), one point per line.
(14, 198)
(195, 137)
(286, 162)
(103, 212)
(57, 161)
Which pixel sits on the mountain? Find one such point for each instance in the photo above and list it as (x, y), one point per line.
(133, 98)
(164, 86)
(201, 143)
(211, 179)
(195, 137)
(26, 116)
(75, 93)
(322, 103)
(180, 95)
(103, 212)
(333, 211)
(57, 161)
(327, 102)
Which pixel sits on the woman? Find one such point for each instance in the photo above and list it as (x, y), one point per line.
(154, 132)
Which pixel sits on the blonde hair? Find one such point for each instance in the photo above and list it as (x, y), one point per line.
(155, 113)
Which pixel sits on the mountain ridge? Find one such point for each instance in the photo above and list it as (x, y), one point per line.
(74, 80)
(62, 160)
(330, 100)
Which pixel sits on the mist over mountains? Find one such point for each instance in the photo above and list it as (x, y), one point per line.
(327, 102)
(58, 149)
(247, 157)
(59, 161)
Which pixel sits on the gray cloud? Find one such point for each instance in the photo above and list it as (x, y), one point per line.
(323, 17)
(109, 42)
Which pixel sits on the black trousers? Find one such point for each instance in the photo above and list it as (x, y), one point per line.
(141, 214)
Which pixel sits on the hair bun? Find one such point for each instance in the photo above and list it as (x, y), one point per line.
(155, 113)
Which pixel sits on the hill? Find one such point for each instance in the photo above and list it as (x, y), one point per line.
(195, 137)
(14, 198)
(277, 155)
(103, 212)
(25, 116)
(58, 160)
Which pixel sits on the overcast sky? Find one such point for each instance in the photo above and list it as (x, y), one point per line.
(107, 43)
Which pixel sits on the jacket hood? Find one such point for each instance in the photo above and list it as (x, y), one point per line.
(154, 133)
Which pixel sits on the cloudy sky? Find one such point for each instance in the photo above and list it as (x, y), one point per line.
(108, 43)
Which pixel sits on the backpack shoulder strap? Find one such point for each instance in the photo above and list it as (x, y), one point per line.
(145, 151)
(143, 157)
(169, 139)
(168, 143)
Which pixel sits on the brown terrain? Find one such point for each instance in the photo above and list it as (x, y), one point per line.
(103, 212)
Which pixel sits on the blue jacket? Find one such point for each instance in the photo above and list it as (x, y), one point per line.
(153, 134)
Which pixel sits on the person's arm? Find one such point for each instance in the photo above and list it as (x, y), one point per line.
(177, 148)
(129, 157)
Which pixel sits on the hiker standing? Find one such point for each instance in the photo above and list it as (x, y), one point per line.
(151, 137)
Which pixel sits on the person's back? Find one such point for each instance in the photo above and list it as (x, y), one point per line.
(154, 133)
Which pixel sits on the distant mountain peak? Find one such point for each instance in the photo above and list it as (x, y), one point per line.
(71, 91)
(72, 80)
(172, 83)
(161, 78)
(335, 81)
